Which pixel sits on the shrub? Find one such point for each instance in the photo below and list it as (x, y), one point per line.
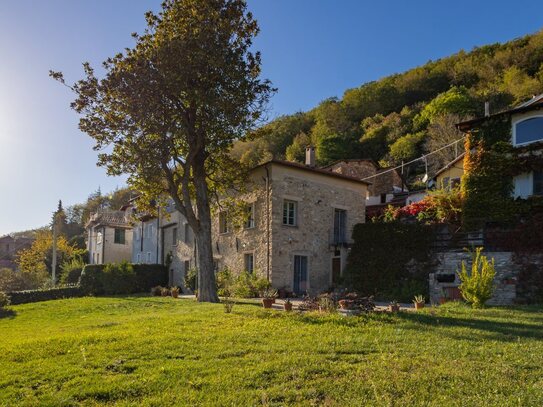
(225, 282)
(165, 292)
(156, 291)
(478, 284)
(244, 285)
(71, 271)
(191, 276)
(372, 270)
(23, 297)
(119, 278)
(12, 280)
(122, 278)
(4, 300)
(91, 279)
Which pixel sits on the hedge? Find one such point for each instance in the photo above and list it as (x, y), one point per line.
(23, 297)
(122, 278)
(389, 260)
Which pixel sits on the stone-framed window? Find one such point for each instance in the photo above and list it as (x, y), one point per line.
(250, 216)
(340, 226)
(249, 260)
(290, 213)
(223, 222)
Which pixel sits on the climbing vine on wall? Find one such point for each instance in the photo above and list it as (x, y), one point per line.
(490, 164)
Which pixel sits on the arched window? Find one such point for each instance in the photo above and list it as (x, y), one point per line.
(528, 130)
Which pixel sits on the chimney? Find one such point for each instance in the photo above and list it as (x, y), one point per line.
(487, 109)
(310, 156)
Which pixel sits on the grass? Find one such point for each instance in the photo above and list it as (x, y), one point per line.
(155, 351)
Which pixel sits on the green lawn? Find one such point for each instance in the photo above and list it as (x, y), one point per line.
(161, 351)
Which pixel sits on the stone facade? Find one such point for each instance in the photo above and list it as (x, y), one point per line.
(386, 183)
(507, 270)
(308, 246)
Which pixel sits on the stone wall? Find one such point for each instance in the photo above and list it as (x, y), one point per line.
(507, 270)
(317, 196)
(383, 184)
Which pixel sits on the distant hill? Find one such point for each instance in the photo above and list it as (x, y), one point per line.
(402, 116)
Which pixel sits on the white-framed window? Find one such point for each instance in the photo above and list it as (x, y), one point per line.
(138, 258)
(528, 129)
(250, 216)
(99, 238)
(249, 262)
(290, 213)
(174, 237)
(223, 222)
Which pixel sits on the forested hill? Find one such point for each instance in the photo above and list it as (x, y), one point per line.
(403, 116)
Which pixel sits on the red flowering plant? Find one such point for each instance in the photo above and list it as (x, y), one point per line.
(440, 206)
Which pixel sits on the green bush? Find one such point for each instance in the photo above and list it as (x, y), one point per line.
(12, 280)
(372, 269)
(71, 271)
(477, 285)
(4, 300)
(119, 278)
(225, 282)
(24, 297)
(122, 278)
(191, 276)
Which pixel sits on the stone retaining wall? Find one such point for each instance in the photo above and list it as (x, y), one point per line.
(507, 271)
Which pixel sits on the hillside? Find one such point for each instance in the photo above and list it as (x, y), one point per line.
(403, 116)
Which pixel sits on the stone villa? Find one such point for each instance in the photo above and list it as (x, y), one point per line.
(297, 231)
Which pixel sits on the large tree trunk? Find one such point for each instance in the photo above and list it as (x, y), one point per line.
(207, 287)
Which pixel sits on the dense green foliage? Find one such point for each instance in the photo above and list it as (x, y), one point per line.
(394, 118)
(71, 271)
(373, 269)
(477, 283)
(241, 285)
(46, 294)
(157, 351)
(122, 278)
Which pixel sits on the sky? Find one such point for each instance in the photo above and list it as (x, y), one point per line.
(311, 50)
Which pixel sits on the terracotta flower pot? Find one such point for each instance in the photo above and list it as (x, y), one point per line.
(419, 305)
(443, 300)
(394, 308)
(175, 294)
(346, 304)
(287, 306)
(267, 302)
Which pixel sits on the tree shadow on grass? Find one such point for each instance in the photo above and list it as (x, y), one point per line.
(7, 313)
(504, 331)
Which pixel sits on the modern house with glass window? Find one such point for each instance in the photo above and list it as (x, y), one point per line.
(527, 136)
(109, 237)
(298, 225)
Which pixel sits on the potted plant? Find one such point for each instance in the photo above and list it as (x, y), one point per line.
(268, 297)
(394, 306)
(419, 301)
(175, 292)
(346, 304)
(287, 305)
(165, 292)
